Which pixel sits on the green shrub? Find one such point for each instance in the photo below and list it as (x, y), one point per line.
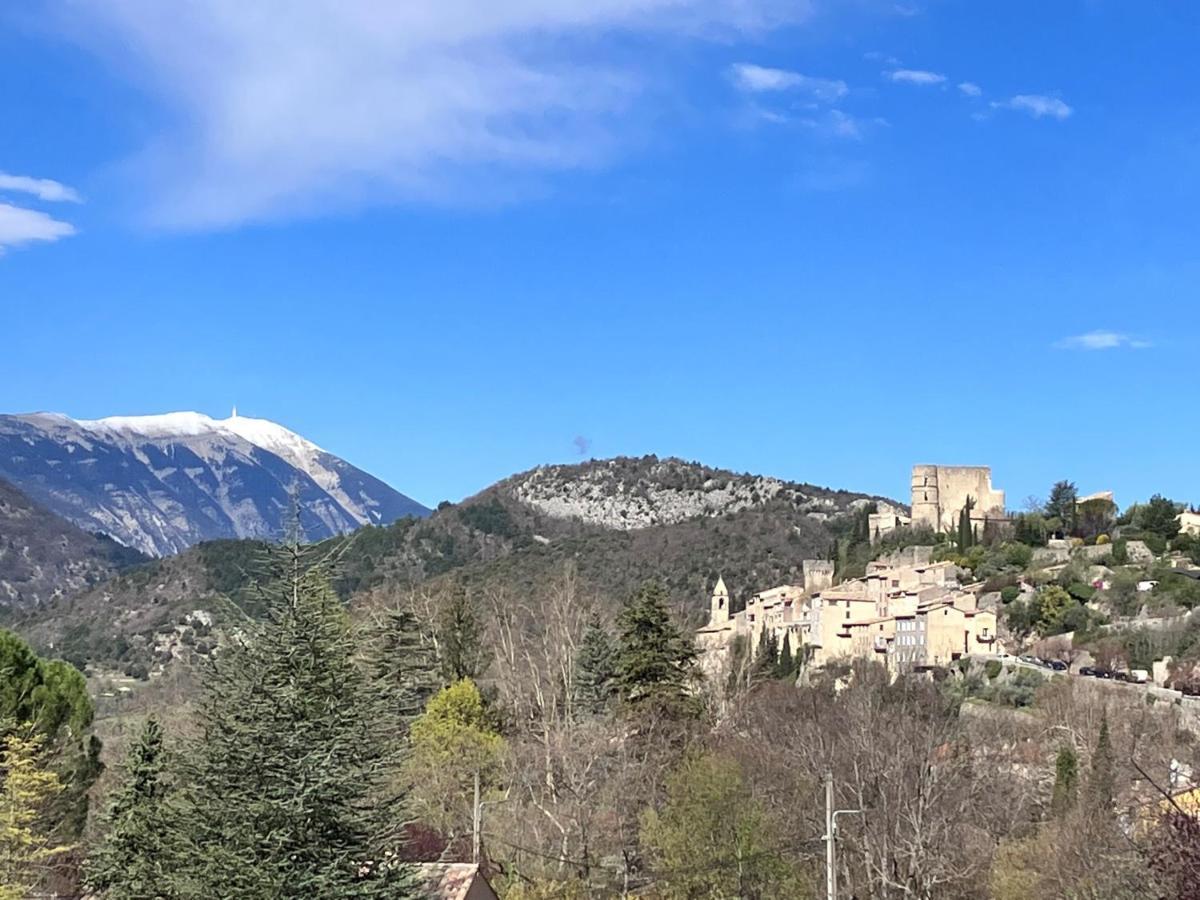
(992, 669)
(1009, 594)
(1081, 592)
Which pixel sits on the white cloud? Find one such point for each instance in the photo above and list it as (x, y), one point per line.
(835, 123)
(1036, 105)
(1102, 340)
(759, 79)
(21, 226)
(42, 188)
(297, 109)
(915, 76)
(885, 58)
(970, 88)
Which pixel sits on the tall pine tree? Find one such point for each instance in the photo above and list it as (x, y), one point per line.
(290, 787)
(403, 663)
(655, 662)
(135, 858)
(460, 637)
(595, 670)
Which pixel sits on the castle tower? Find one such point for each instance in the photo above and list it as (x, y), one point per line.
(926, 498)
(818, 575)
(719, 608)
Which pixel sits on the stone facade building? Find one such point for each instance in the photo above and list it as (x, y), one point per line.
(907, 612)
(939, 494)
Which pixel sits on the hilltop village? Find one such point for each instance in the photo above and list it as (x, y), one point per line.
(956, 576)
(907, 611)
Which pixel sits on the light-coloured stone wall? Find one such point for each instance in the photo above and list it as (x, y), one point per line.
(858, 618)
(939, 494)
(818, 575)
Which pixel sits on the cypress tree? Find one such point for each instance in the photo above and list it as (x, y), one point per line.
(766, 660)
(655, 661)
(595, 669)
(1066, 777)
(290, 787)
(135, 858)
(965, 532)
(1102, 781)
(787, 665)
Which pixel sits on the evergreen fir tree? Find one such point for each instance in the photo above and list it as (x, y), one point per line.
(290, 787)
(403, 664)
(787, 665)
(1102, 782)
(655, 661)
(135, 858)
(460, 638)
(1066, 777)
(595, 670)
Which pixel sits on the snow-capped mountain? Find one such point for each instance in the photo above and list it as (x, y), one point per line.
(162, 483)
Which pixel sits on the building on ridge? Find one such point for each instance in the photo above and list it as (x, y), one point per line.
(906, 612)
(940, 493)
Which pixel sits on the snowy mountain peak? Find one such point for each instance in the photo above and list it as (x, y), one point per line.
(163, 482)
(260, 432)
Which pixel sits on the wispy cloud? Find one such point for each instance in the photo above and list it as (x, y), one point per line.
(20, 225)
(42, 188)
(1037, 105)
(761, 79)
(885, 58)
(914, 76)
(834, 123)
(324, 105)
(970, 88)
(1102, 340)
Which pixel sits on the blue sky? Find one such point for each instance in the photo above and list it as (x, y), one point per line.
(819, 240)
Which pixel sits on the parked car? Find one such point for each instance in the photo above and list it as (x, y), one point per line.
(1032, 660)
(1104, 673)
(1087, 670)
(1057, 665)
(1139, 676)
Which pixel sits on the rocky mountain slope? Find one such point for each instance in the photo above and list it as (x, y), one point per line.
(516, 536)
(163, 483)
(627, 494)
(43, 556)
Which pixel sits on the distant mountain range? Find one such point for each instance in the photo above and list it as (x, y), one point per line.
(160, 484)
(43, 557)
(613, 523)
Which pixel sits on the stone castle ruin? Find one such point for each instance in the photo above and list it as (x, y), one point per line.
(939, 494)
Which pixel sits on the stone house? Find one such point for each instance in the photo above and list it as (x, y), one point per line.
(906, 612)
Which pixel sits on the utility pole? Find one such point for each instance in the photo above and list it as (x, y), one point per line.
(830, 856)
(476, 822)
(831, 815)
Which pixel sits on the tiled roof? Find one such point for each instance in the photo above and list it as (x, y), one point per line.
(448, 881)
